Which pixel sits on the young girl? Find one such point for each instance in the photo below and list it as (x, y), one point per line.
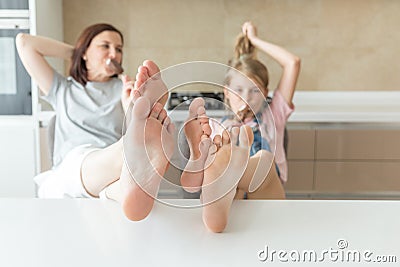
(246, 91)
(246, 97)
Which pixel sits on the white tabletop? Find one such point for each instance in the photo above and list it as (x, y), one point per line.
(90, 232)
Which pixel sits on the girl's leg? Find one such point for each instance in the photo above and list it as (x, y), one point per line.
(261, 167)
(197, 132)
(221, 175)
(239, 193)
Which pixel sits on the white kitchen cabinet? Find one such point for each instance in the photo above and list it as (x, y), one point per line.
(17, 157)
(19, 125)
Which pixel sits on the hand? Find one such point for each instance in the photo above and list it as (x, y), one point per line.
(250, 30)
(129, 94)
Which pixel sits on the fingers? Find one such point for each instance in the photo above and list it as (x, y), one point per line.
(249, 29)
(127, 84)
(135, 95)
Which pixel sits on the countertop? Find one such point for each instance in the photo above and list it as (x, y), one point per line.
(94, 232)
(326, 107)
(336, 107)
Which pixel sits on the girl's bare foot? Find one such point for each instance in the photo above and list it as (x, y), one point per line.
(223, 175)
(148, 147)
(197, 131)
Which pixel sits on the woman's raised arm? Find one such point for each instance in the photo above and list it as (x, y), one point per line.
(33, 50)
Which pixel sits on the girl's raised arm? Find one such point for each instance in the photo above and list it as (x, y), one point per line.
(290, 63)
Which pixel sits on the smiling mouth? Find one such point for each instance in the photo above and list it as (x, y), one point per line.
(114, 65)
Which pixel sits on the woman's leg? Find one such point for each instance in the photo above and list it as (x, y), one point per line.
(148, 148)
(103, 167)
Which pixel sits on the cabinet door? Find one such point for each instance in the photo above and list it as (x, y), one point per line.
(301, 144)
(356, 144)
(300, 160)
(357, 177)
(17, 159)
(301, 176)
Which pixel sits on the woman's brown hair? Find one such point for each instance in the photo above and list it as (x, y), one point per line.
(78, 69)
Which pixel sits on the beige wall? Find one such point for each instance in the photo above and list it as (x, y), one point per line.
(344, 44)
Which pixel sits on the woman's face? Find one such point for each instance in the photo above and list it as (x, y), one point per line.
(244, 91)
(105, 45)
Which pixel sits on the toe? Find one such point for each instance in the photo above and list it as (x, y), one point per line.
(162, 115)
(206, 129)
(225, 137)
(142, 74)
(217, 140)
(235, 135)
(194, 107)
(201, 115)
(213, 149)
(156, 110)
(166, 122)
(204, 146)
(246, 136)
(169, 125)
(151, 67)
(141, 108)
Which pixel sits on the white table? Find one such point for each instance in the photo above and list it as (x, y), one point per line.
(91, 232)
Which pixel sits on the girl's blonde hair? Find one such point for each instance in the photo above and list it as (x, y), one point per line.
(245, 61)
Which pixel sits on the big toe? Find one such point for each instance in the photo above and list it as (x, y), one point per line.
(152, 67)
(195, 107)
(141, 108)
(246, 136)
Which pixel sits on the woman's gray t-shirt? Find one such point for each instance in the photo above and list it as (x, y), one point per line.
(85, 115)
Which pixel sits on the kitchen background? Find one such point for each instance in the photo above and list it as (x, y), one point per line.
(344, 137)
(344, 44)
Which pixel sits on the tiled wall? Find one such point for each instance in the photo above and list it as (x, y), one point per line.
(344, 44)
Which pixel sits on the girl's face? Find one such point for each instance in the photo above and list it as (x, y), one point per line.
(105, 45)
(244, 91)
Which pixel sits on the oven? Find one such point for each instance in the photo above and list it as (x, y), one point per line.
(15, 83)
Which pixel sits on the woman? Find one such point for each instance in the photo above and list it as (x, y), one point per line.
(89, 105)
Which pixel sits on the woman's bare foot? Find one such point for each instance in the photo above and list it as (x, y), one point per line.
(148, 147)
(223, 175)
(149, 83)
(197, 131)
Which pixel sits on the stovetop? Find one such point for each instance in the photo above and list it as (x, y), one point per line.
(182, 100)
